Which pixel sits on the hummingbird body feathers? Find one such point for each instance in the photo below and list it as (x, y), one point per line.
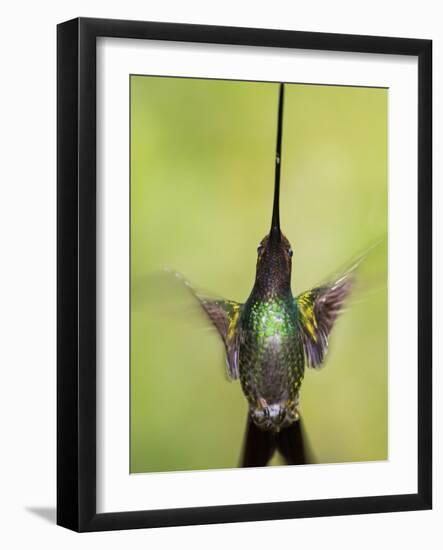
(271, 360)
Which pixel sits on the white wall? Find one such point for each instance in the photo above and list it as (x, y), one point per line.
(27, 273)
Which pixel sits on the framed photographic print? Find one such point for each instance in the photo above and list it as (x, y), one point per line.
(244, 274)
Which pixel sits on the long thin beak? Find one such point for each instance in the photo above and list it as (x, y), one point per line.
(275, 224)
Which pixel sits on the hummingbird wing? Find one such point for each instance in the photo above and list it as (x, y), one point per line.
(224, 315)
(319, 309)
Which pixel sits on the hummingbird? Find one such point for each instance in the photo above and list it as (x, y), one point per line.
(273, 336)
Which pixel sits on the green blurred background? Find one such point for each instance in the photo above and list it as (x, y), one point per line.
(202, 175)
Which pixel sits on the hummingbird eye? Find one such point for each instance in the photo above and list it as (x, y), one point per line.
(290, 252)
(259, 248)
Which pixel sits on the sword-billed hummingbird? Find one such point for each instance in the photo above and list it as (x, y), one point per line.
(273, 336)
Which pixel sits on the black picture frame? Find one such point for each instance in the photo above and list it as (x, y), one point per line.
(76, 273)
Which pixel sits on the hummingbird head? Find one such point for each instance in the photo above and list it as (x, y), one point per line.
(274, 262)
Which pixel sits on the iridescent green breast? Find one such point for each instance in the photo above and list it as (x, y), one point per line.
(271, 359)
(271, 317)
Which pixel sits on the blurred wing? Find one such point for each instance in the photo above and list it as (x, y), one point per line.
(224, 315)
(319, 309)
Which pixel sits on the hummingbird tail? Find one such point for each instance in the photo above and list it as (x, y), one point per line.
(260, 446)
(292, 445)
